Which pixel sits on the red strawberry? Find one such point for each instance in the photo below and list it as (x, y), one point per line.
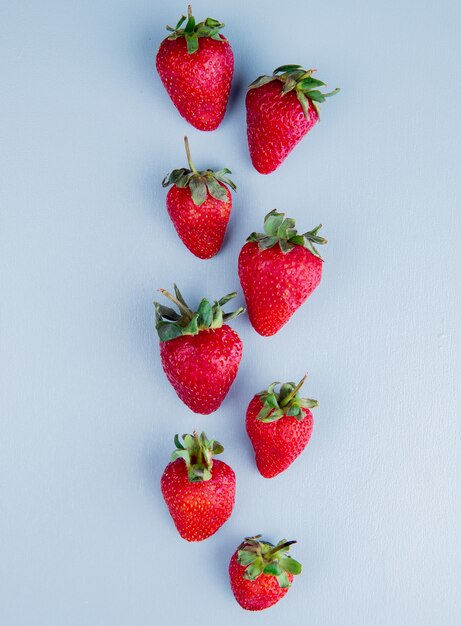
(198, 491)
(279, 425)
(278, 270)
(199, 204)
(200, 353)
(196, 65)
(261, 573)
(281, 109)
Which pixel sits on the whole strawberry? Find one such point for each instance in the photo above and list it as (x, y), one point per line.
(279, 425)
(281, 109)
(199, 205)
(200, 353)
(278, 270)
(199, 491)
(196, 65)
(261, 573)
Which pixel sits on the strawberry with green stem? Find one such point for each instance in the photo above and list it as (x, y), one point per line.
(196, 64)
(281, 109)
(261, 573)
(198, 490)
(278, 270)
(200, 353)
(279, 425)
(199, 204)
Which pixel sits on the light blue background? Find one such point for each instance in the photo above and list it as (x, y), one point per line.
(87, 134)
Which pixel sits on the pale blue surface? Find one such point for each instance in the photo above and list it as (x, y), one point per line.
(86, 134)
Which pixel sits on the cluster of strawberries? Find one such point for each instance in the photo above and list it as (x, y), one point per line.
(278, 270)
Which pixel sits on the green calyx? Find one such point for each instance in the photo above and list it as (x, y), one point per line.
(192, 31)
(286, 401)
(197, 453)
(200, 183)
(262, 557)
(171, 324)
(281, 230)
(296, 78)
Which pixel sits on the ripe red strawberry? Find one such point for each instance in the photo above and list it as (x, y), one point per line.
(281, 109)
(199, 204)
(261, 573)
(200, 353)
(196, 65)
(278, 270)
(279, 425)
(198, 491)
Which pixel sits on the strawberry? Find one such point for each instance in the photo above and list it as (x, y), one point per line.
(196, 65)
(278, 270)
(199, 205)
(279, 425)
(281, 109)
(199, 492)
(200, 353)
(261, 573)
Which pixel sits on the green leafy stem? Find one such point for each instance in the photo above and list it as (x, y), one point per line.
(192, 31)
(296, 78)
(285, 402)
(261, 557)
(197, 453)
(171, 324)
(200, 183)
(281, 230)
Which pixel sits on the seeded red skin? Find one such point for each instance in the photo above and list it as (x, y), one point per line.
(277, 444)
(198, 509)
(254, 595)
(201, 228)
(275, 124)
(275, 284)
(197, 83)
(201, 368)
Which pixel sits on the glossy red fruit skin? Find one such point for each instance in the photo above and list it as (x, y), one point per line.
(254, 595)
(201, 228)
(197, 83)
(201, 368)
(275, 284)
(198, 509)
(277, 444)
(275, 124)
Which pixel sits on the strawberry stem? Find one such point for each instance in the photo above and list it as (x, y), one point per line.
(307, 88)
(183, 308)
(276, 549)
(189, 158)
(281, 230)
(197, 453)
(291, 395)
(189, 11)
(198, 459)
